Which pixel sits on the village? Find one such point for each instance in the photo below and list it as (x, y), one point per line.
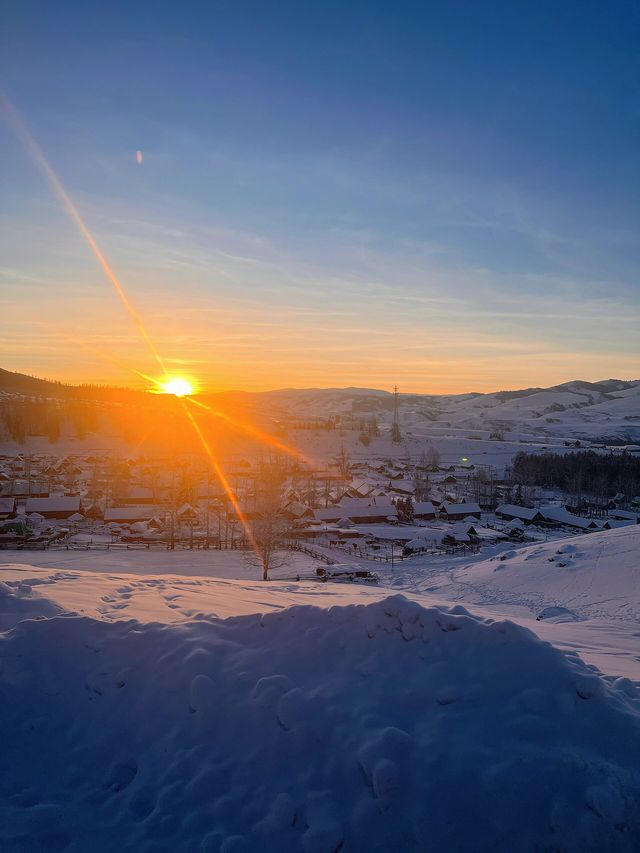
(378, 510)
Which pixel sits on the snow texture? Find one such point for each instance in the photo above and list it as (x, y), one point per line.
(379, 726)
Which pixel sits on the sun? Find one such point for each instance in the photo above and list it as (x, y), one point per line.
(177, 386)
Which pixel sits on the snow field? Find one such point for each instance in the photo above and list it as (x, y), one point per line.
(385, 726)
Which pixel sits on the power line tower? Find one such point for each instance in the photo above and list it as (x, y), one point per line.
(396, 436)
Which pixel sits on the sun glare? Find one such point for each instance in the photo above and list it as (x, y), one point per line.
(177, 386)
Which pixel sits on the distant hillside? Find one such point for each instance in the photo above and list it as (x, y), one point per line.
(20, 383)
(607, 411)
(598, 411)
(31, 386)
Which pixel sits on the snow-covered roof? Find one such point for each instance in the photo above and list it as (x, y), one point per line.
(423, 508)
(185, 509)
(129, 513)
(406, 487)
(461, 509)
(463, 527)
(522, 512)
(297, 509)
(624, 514)
(615, 523)
(362, 487)
(561, 515)
(356, 513)
(53, 504)
(374, 500)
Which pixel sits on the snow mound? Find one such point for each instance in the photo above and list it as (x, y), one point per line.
(17, 602)
(386, 726)
(557, 614)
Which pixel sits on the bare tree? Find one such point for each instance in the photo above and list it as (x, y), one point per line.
(268, 525)
(421, 484)
(432, 458)
(344, 464)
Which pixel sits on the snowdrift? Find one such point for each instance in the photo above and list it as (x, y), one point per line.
(378, 727)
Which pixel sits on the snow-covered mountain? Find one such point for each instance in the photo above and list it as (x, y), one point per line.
(608, 410)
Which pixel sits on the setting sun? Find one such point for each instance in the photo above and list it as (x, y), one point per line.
(177, 386)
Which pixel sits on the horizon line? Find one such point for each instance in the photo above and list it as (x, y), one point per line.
(278, 390)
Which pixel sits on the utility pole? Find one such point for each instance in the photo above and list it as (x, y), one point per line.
(396, 437)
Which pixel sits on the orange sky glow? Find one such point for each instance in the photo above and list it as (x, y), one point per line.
(152, 304)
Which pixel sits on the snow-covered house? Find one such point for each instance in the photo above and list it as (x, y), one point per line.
(458, 512)
(55, 507)
(361, 488)
(361, 513)
(515, 527)
(525, 514)
(129, 514)
(26, 489)
(402, 487)
(625, 515)
(424, 510)
(297, 511)
(186, 513)
(559, 516)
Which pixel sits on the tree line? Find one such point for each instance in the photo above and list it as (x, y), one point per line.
(20, 418)
(585, 473)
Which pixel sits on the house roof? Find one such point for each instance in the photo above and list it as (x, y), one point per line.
(129, 513)
(406, 487)
(374, 500)
(355, 514)
(297, 509)
(522, 512)
(54, 504)
(461, 509)
(185, 510)
(423, 508)
(561, 515)
(624, 514)
(465, 527)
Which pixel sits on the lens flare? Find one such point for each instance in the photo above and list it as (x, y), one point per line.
(15, 121)
(224, 482)
(258, 434)
(178, 386)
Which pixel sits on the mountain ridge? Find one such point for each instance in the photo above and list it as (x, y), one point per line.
(23, 383)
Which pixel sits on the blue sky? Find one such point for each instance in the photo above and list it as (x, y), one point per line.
(442, 195)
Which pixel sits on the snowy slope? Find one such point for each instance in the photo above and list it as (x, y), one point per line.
(592, 576)
(383, 727)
